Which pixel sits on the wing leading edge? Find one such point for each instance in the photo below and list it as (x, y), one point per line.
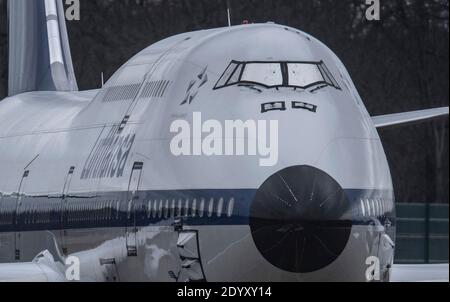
(408, 117)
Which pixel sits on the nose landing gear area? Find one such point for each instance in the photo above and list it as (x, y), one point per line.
(297, 219)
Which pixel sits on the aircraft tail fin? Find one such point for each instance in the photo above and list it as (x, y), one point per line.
(39, 52)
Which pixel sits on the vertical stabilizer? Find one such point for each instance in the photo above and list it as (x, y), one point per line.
(39, 52)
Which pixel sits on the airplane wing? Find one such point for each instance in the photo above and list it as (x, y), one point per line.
(408, 117)
(420, 273)
(42, 269)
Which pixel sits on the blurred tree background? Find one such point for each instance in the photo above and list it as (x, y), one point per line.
(399, 63)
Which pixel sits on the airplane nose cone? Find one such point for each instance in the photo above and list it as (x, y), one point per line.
(297, 219)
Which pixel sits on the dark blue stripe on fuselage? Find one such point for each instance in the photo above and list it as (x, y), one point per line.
(112, 209)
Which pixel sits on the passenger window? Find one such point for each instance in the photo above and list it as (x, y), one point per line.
(149, 209)
(186, 208)
(172, 208)
(220, 207)
(130, 204)
(166, 209)
(194, 208)
(378, 207)
(179, 208)
(230, 207)
(368, 207)
(372, 207)
(154, 209)
(211, 207)
(363, 210)
(160, 211)
(202, 207)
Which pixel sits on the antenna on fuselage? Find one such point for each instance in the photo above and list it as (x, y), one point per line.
(229, 13)
(103, 79)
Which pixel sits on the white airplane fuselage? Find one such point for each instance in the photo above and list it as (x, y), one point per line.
(92, 174)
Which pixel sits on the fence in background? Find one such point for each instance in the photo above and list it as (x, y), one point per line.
(422, 233)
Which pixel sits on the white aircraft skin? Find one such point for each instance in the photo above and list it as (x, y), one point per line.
(60, 130)
(91, 174)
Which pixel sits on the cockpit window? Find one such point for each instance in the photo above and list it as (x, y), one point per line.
(267, 74)
(234, 78)
(301, 75)
(226, 75)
